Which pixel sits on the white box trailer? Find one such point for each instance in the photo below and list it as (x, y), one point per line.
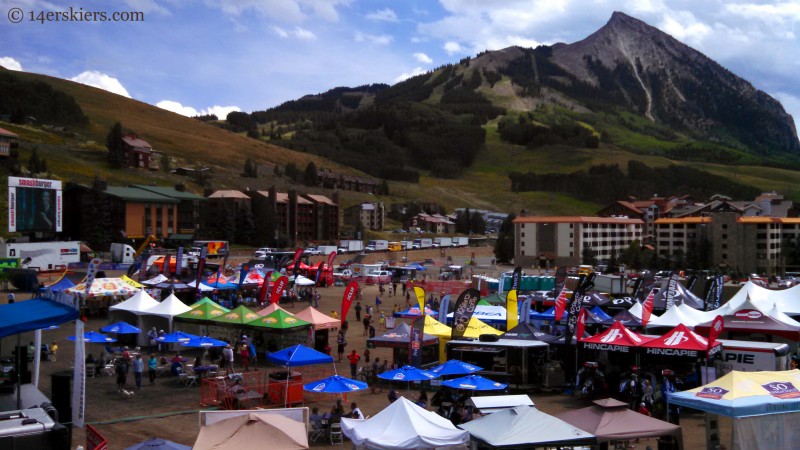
(749, 356)
(43, 256)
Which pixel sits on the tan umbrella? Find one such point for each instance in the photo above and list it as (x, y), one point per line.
(252, 431)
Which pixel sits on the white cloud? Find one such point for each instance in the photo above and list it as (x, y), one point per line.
(302, 33)
(102, 81)
(771, 13)
(684, 27)
(280, 32)
(383, 39)
(220, 111)
(423, 58)
(452, 47)
(299, 33)
(407, 75)
(383, 15)
(10, 63)
(147, 7)
(284, 10)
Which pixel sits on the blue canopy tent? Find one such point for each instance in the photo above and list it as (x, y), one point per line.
(33, 314)
(58, 286)
(454, 367)
(474, 383)
(549, 314)
(335, 384)
(298, 355)
(120, 328)
(413, 312)
(598, 316)
(415, 266)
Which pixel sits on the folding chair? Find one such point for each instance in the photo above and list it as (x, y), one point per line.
(315, 433)
(336, 434)
(90, 370)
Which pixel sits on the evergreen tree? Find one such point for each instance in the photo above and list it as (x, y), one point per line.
(383, 189)
(504, 246)
(95, 210)
(310, 176)
(165, 163)
(462, 222)
(612, 261)
(245, 228)
(632, 257)
(476, 223)
(114, 144)
(588, 256)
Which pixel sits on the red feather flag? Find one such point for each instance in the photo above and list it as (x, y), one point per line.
(277, 289)
(350, 294)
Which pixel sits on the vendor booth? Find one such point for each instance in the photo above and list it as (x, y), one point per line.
(525, 427)
(765, 407)
(132, 311)
(404, 425)
(321, 325)
(508, 360)
(399, 340)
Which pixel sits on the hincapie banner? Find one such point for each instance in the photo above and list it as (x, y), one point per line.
(464, 308)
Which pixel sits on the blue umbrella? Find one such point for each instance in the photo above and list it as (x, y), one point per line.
(474, 383)
(299, 355)
(407, 373)
(335, 384)
(177, 336)
(203, 341)
(158, 444)
(121, 328)
(94, 337)
(454, 367)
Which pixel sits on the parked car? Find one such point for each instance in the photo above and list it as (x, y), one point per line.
(263, 251)
(311, 251)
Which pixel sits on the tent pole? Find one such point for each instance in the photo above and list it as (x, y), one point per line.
(19, 371)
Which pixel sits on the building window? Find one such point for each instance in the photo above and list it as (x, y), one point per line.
(724, 256)
(724, 246)
(724, 226)
(724, 236)
(522, 234)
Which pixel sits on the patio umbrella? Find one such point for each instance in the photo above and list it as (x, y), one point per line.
(407, 373)
(158, 444)
(94, 337)
(177, 336)
(335, 384)
(298, 355)
(120, 328)
(454, 367)
(474, 383)
(204, 341)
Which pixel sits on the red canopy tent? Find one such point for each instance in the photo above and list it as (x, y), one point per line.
(616, 338)
(681, 341)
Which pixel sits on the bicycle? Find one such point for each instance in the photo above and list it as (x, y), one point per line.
(364, 374)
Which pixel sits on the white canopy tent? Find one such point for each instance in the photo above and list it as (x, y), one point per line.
(133, 309)
(404, 425)
(525, 427)
(493, 403)
(672, 317)
(167, 309)
(160, 278)
(300, 280)
(788, 300)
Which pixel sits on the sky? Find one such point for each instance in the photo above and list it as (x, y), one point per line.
(216, 56)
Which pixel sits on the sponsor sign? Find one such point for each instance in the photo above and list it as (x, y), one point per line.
(748, 314)
(712, 392)
(672, 352)
(464, 307)
(607, 347)
(782, 390)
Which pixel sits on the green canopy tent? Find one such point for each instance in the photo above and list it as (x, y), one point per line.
(495, 299)
(279, 322)
(237, 316)
(208, 301)
(202, 314)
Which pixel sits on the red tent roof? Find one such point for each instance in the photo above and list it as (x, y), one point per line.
(680, 341)
(617, 337)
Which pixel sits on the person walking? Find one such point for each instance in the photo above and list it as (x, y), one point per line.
(152, 366)
(227, 354)
(358, 311)
(366, 321)
(122, 374)
(244, 354)
(354, 358)
(138, 368)
(341, 342)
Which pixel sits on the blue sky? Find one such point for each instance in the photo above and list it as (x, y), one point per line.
(196, 56)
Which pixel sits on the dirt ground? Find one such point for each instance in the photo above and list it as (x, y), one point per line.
(169, 410)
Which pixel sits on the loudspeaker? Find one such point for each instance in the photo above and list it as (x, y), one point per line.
(22, 364)
(61, 394)
(489, 338)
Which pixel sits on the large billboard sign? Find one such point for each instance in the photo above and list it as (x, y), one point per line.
(34, 204)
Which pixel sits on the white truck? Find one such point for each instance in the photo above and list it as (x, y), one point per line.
(122, 253)
(326, 250)
(352, 245)
(43, 256)
(406, 245)
(420, 243)
(442, 242)
(377, 246)
(460, 241)
(747, 356)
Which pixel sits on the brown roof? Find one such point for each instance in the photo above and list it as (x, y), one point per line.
(320, 199)
(575, 219)
(756, 219)
(684, 220)
(5, 132)
(229, 194)
(135, 142)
